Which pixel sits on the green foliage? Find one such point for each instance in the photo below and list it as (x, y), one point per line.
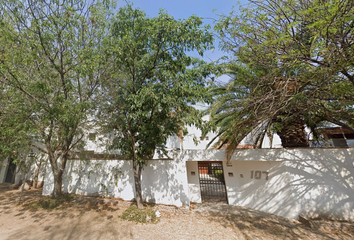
(146, 215)
(219, 175)
(61, 60)
(153, 83)
(290, 61)
(52, 62)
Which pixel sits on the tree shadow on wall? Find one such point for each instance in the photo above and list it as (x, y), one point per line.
(105, 178)
(165, 182)
(322, 182)
(315, 183)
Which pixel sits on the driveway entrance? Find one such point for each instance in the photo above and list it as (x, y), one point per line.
(212, 183)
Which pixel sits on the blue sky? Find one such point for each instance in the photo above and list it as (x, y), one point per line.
(181, 9)
(185, 8)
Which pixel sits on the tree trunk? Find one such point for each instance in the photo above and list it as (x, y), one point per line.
(35, 179)
(58, 182)
(22, 187)
(293, 134)
(137, 181)
(58, 173)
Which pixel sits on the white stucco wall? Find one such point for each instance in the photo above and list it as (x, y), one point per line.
(311, 182)
(260, 185)
(322, 182)
(193, 182)
(195, 133)
(271, 195)
(163, 181)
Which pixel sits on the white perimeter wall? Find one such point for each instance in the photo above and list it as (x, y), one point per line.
(322, 182)
(310, 182)
(193, 182)
(163, 181)
(249, 186)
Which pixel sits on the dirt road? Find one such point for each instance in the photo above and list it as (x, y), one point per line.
(84, 220)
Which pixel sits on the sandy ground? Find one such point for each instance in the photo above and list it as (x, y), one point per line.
(84, 220)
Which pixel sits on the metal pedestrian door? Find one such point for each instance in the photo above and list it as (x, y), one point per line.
(212, 182)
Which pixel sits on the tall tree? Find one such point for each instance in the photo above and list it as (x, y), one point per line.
(53, 62)
(299, 70)
(153, 82)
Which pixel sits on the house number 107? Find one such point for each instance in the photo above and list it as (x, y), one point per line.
(258, 174)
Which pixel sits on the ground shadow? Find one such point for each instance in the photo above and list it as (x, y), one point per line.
(254, 224)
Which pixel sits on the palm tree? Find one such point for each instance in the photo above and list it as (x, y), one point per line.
(256, 102)
(262, 102)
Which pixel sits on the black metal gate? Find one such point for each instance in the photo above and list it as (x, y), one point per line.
(212, 182)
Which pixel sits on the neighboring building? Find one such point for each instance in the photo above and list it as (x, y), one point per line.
(7, 171)
(194, 140)
(335, 137)
(15, 174)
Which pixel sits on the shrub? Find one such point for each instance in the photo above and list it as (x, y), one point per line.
(144, 215)
(219, 175)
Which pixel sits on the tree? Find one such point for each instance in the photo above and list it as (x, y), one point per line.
(153, 82)
(291, 67)
(53, 63)
(13, 128)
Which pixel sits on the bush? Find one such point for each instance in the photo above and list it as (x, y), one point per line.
(219, 175)
(144, 215)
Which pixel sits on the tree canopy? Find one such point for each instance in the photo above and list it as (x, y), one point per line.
(153, 82)
(64, 64)
(50, 69)
(291, 65)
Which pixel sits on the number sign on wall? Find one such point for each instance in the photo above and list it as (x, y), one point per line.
(258, 174)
